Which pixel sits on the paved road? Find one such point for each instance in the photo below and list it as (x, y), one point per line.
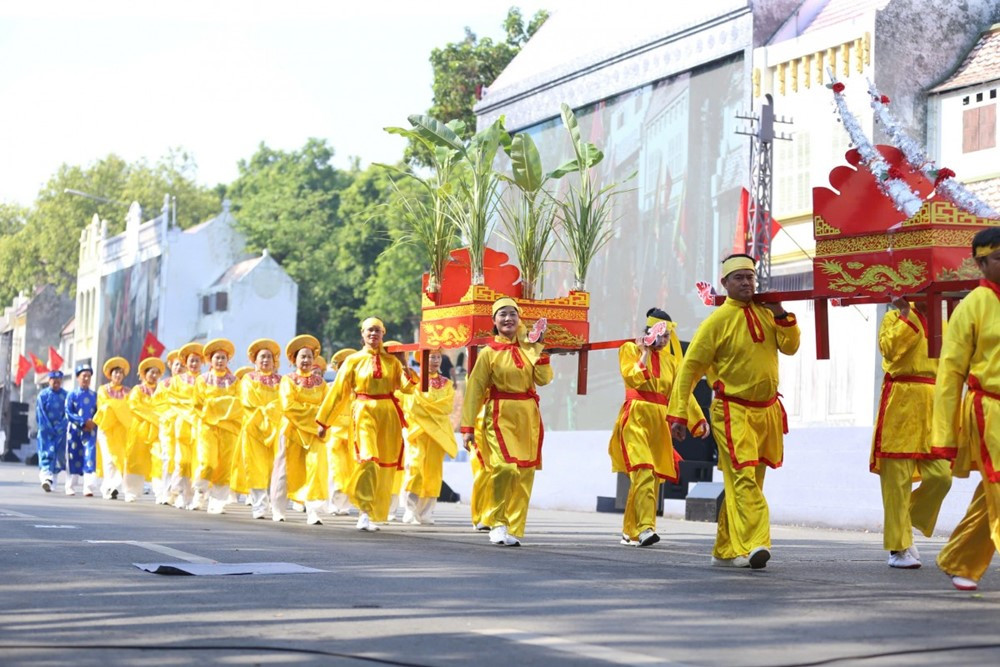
(441, 595)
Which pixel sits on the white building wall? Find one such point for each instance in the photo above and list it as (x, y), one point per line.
(263, 304)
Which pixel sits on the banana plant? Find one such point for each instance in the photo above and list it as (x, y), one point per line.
(428, 217)
(528, 212)
(586, 215)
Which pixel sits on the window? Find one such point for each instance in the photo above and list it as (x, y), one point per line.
(221, 301)
(979, 128)
(206, 305)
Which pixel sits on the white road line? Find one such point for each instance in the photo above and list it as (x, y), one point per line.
(591, 651)
(19, 515)
(53, 525)
(159, 548)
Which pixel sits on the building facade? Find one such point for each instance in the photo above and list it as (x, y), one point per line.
(182, 285)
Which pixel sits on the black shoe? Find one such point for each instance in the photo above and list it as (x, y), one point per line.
(759, 558)
(114, 494)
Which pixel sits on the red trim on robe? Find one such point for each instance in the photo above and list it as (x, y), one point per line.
(720, 395)
(877, 453)
(632, 395)
(496, 397)
(978, 394)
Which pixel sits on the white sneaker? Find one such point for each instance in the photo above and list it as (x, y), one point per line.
(511, 541)
(409, 517)
(963, 584)
(258, 514)
(498, 535)
(913, 551)
(481, 527)
(277, 517)
(312, 519)
(903, 560)
(129, 498)
(365, 523)
(628, 541)
(70, 491)
(197, 502)
(648, 538)
(758, 558)
(739, 561)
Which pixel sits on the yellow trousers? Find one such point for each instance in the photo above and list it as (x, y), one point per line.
(744, 521)
(424, 468)
(905, 508)
(215, 449)
(511, 488)
(340, 456)
(640, 508)
(977, 537)
(482, 494)
(371, 489)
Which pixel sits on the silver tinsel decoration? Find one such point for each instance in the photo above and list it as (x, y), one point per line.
(903, 197)
(951, 188)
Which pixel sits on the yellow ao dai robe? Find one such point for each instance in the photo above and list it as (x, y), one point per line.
(305, 452)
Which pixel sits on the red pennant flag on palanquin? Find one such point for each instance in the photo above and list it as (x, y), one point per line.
(39, 365)
(151, 347)
(23, 366)
(55, 361)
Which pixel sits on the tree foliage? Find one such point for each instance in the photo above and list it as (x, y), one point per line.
(463, 68)
(41, 245)
(288, 202)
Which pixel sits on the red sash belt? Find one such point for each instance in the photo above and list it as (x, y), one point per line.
(720, 394)
(647, 396)
(386, 397)
(978, 394)
(505, 396)
(908, 378)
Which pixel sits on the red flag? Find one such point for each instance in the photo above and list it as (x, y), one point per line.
(38, 364)
(740, 240)
(55, 361)
(23, 366)
(151, 347)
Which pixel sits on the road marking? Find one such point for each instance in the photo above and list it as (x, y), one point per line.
(591, 651)
(19, 515)
(159, 548)
(53, 525)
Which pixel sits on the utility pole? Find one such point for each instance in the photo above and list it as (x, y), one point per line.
(760, 129)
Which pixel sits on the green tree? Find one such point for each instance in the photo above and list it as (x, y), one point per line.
(462, 68)
(46, 247)
(288, 202)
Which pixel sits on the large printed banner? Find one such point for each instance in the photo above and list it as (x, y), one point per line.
(130, 308)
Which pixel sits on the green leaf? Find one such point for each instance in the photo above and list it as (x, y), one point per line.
(435, 132)
(526, 163)
(569, 120)
(562, 170)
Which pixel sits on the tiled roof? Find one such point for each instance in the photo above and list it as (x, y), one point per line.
(235, 272)
(843, 11)
(981, 65)
(988, 190)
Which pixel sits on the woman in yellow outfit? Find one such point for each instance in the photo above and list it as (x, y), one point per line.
(970, 355)
(641, 445)
(340, 455)
(901, 445)
(144, 431)
(383, 510)
(300, 463)
(221, 416)
(183, 396)
(366, 384)
(167, 410)
(261, 416)
(113, 418)
(737, 347)
(504, 379)
(429, 437)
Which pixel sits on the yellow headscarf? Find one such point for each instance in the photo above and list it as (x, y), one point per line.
(986, 250)
(673, 340)
(504, 302)
(373, 321)
(737, 263)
